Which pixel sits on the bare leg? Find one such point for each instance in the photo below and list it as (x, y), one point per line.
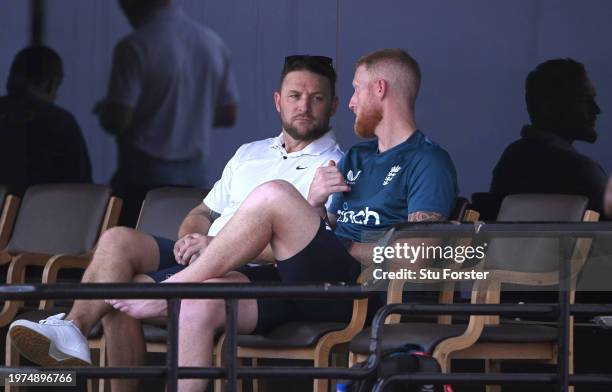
(274, 213)
(121, 254)
(198, 323)
(125, 344)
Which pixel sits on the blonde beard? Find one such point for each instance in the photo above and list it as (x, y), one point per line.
(366, 123)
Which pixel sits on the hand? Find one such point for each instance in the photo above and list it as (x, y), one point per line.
(327, 180)
(190, 247)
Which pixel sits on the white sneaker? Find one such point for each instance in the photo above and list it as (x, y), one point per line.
(51, 342)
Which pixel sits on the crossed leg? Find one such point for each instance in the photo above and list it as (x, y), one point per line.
(121, 331)
(121, 254)
(199, 323)
(274, 213)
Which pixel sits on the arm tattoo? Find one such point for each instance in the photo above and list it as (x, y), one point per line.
(209, 214)
(425, 216)
(212, 215)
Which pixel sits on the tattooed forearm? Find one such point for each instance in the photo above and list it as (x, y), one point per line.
(425, 216)
(210, 214)
(203, 211)
(213, 215)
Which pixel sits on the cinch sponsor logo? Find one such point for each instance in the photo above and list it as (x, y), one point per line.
(360, 217)
(351, 178)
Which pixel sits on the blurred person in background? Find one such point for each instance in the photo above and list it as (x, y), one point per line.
(40, 142)
(171, 82)
(561, 104)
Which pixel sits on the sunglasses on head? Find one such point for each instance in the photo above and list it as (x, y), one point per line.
(324, 60)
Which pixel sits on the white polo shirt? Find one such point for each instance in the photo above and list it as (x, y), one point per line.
(266, 160)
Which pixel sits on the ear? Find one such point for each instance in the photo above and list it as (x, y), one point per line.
(381, 88)
(277, 98)
(334, 106)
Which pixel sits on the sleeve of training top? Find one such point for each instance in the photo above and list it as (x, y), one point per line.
(433, 184)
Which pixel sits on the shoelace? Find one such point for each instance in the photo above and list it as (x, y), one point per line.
(55, 320)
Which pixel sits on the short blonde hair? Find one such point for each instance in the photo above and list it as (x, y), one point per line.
(401, 70)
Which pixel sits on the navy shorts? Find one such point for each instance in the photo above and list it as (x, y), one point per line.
(324, 259)
(167, 263)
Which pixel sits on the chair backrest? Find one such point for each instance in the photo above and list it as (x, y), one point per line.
(164, 209)
(60, 218)
(534, 262)
(533, 254)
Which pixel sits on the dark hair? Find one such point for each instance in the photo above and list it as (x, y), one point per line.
(549, 81)
(320, 65)
(34, 66)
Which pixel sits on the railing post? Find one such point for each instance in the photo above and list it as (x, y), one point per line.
(564, 315)
(174, 307)
(231, 331)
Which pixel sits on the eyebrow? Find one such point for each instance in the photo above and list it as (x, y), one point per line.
(300, 92)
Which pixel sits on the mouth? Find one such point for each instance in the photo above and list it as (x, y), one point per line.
(303, 119)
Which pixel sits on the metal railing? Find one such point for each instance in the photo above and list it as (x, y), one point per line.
(173, 293)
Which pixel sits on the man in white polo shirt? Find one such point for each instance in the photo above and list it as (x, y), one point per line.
(306, 100)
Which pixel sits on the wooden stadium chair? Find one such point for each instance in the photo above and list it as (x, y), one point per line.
(57, 227)
(313, 340)
(509, 261)
(9, 204)
(161, 214)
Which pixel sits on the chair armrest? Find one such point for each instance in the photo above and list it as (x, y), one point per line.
(16, 275)
(471, 334)
(54, 266)
(7, 219)
(5, 257)
(356, 325)
(17, 267)
(58, 262)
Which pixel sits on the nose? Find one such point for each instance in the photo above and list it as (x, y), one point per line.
(304, 104)
(352, 102)
(597, 108)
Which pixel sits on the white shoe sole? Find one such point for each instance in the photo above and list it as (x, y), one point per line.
(38, 348)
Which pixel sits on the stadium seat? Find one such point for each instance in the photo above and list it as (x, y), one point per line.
(161, 214)
(57, 227)
(516, 261)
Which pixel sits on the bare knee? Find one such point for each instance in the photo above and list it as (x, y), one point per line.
(203, 314)
(275, 191)
(117, 239)
(121, 244)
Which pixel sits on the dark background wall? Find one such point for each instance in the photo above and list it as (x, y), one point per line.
(474, 54)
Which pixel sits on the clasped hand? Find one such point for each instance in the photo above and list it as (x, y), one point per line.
(190, 247)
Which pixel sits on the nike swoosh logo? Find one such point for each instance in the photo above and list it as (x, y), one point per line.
(301, 168)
